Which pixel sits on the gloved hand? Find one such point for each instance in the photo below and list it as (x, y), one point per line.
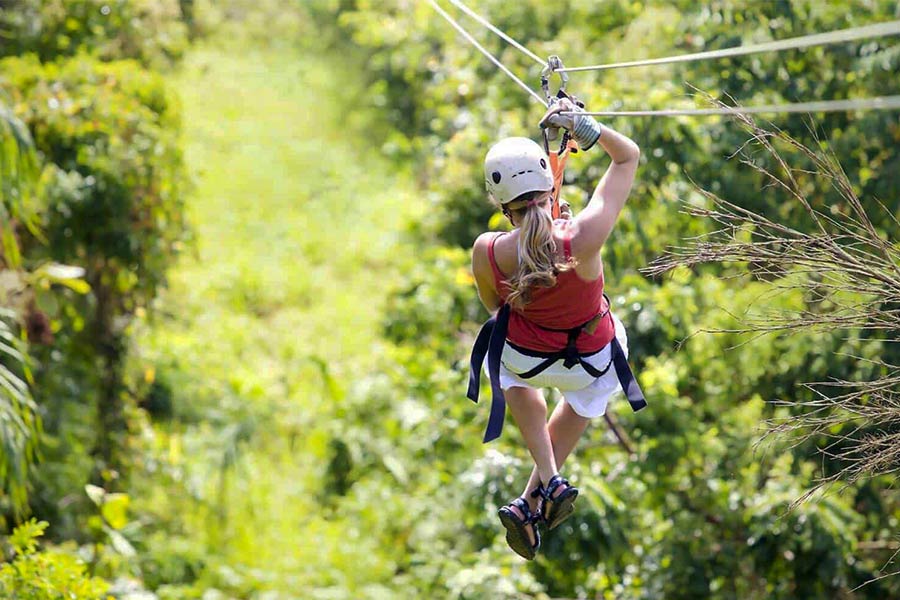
(584, 128)
(550, 129)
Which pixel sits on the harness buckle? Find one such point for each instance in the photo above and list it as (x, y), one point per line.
(570, 354)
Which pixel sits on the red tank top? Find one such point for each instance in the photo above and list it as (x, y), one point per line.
(568, 304)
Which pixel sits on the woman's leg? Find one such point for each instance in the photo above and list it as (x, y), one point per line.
(565, 429)
(530, 413)
(529, 410)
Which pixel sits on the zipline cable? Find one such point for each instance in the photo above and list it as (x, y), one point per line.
(877, 103)
(816, 39)
(490, 56)
(844, 35)
(458, 4)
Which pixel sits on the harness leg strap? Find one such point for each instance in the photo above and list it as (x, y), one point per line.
(479, 351)
(495, 351)
(626, 378)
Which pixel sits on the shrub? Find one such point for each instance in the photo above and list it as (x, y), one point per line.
(111, 203)
(113, 180)
(150, 31)
(47, 575)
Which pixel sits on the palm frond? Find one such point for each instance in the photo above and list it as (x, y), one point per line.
(19, 419)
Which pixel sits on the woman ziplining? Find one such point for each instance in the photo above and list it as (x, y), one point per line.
(551, 325)
(543, 282)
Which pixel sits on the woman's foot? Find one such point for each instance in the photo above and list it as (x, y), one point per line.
(558, 500)
(520, 522)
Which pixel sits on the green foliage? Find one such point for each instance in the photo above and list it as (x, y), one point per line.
(700, 513)
(18, 413)
(150, 31)
(305, 370)
(18, 175)
(112, 192)
(20, 422)
(436, 296)
(45, 575)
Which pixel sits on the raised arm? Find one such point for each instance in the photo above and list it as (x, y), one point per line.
(591, 228)
(594, 224)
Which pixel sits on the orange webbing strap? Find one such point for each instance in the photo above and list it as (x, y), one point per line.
(558, 168)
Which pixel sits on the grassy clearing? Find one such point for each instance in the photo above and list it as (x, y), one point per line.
(298, 226)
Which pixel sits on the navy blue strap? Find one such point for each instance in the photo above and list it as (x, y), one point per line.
(540, 367)
(551, 359)
(479, 351)
(489, 343)
(594, 371)
(626, 378)
(495, 351)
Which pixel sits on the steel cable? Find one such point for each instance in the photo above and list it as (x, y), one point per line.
(500, 33)
(490, 56)
(843, 35)
(804, 41)
(877, 103)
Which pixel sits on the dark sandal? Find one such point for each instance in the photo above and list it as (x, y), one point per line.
(516, 532)
(558, 508)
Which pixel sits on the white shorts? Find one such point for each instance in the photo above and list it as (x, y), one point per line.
(587, 395)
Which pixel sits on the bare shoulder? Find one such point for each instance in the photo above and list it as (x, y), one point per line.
(483, 241)
(564, 228)
(480, 249)
(580, 238)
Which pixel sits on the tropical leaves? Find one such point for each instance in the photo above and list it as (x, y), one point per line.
(19, 419)
(18, 174)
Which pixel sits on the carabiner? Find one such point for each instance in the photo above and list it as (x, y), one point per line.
(553, 64)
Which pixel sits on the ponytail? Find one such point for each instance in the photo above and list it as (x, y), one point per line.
(538, 266)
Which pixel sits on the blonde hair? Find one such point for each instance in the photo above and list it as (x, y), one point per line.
(538, 266)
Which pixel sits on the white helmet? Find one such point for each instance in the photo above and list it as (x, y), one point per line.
(516, 166)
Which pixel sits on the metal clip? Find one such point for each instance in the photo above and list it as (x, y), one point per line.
(553, 64)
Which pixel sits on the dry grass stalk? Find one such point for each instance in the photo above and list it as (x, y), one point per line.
(849, 273)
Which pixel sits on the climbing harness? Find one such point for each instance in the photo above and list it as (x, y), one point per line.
(490, 341)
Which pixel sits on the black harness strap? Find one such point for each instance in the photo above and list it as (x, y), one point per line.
(570, 357)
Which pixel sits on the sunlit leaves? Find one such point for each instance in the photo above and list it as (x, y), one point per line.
(45, 575)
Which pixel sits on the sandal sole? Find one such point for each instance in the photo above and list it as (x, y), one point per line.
(562, 507)
(516, 536)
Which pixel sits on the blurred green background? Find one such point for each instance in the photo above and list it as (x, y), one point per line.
(237, 305)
